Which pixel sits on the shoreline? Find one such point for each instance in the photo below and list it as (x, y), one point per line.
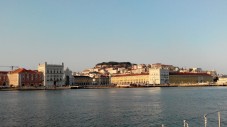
(33, 88)
(104, 87)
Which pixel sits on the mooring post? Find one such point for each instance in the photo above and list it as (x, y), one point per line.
(162, 125)
(219, 119)
(187, 125)
(184, 123)
(205, 121)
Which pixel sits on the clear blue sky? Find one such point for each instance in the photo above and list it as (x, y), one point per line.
(81, 33)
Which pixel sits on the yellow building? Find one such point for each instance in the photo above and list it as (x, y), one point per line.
(176, 78)
(130, 79)
(189, 78)
(14, 79)
(222, 80)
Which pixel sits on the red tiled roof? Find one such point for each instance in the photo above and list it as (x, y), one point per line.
(20, 70)
(188, 73)
(130, 75)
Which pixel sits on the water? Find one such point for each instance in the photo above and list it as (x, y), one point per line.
(139, 107)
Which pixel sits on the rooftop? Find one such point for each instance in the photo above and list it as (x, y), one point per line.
(21, 70)
(4, 72)
(188, 73)
(130, 75)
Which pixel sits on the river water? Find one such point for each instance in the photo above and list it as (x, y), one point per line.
(129, 107)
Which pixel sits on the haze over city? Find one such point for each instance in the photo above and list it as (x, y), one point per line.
(83, 33)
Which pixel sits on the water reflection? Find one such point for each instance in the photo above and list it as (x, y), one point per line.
(147, 107)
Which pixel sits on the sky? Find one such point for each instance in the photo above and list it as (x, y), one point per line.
(82, 33)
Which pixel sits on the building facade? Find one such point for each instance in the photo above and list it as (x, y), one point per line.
(94, 80)
(189, 78)
(130, 79)
(4, 81)
(222, 80)
(53, 74)
(158, 76)
(25, 78)
(82, 80)
(68, 77)
(100, 80)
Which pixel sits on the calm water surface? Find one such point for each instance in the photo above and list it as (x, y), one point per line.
(140, 107)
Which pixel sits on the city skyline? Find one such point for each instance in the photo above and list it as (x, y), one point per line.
(83, 33)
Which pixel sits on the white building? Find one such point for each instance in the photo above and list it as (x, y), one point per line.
(158, 76)
(68, 77)
(53, 74)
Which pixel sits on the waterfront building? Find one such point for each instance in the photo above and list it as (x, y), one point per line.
(82, 80)
(52, 73)
(4, 81)
(25, 78)
(101, 80)
(104, 80)
(158, 76)
(222, 80)
(68, 77)
(92, 79)
(130, 79)
(189, 78)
